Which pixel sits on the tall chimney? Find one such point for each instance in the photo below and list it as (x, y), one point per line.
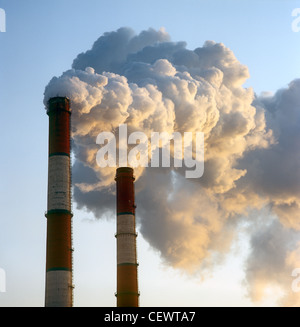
(59, 288)
(127, 283)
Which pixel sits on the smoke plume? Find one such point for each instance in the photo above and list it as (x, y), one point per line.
(251, 150)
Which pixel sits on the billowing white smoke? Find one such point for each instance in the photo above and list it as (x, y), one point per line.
(251, 148)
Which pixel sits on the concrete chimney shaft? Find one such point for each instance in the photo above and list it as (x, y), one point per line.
(59, 287)
(127, 279)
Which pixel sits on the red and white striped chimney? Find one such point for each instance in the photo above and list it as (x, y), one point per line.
(127, 280)
(59, 287)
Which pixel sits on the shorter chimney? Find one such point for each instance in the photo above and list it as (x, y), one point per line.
(127, 281)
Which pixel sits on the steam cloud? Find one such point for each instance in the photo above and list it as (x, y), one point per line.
(252, 159)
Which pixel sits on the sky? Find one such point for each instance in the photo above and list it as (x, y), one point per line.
(42, 39)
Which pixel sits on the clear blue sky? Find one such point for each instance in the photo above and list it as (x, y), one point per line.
(41, 40)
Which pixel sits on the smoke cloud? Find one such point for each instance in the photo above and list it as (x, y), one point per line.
(251, 150)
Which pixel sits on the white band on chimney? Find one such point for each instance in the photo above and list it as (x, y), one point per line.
(125, 224)
(59, 183)
(58, 285)
(126, 240)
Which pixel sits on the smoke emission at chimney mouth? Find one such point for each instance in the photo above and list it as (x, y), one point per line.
(153, 84)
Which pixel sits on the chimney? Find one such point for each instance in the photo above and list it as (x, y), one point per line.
(59, 287)
(127, 283)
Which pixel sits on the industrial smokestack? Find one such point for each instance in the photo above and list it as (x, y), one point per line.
(59, 288)
(127, 282)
